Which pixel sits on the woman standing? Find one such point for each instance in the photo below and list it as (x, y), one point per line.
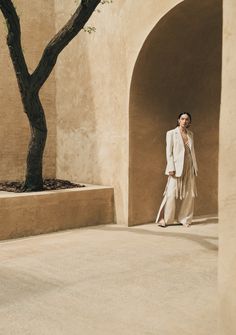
(181, 169)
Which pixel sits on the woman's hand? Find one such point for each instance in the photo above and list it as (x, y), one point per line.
(172, 173)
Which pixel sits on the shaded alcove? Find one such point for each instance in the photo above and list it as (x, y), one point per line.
(178, 70)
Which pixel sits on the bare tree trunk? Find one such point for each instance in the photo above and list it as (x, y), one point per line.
(30, 84)
(38, 127)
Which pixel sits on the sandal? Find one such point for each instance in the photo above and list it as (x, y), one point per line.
(162, 223)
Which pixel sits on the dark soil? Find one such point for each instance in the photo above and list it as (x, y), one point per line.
(48, 184)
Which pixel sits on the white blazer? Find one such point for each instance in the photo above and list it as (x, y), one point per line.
(175, 150)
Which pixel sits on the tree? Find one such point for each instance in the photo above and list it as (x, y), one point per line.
(30, 84)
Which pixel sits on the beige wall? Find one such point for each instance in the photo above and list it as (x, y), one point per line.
(94, 74)
(227, 177)
(93, 127)
(37, 19)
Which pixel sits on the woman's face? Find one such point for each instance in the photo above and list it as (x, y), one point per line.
(184, 121)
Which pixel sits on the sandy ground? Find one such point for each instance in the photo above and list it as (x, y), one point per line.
(111, 280)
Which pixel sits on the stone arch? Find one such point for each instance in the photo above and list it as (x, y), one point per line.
(178, 69)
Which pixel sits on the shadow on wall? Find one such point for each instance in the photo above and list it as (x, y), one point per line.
(178, 70)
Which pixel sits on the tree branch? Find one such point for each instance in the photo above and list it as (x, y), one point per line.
(14, 43)
(60, 41)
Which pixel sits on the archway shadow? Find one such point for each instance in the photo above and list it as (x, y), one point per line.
(202, 240)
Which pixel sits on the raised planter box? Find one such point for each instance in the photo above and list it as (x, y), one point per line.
(26, 214)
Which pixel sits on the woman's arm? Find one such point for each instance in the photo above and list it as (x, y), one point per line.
(193, 155)
(169, 153)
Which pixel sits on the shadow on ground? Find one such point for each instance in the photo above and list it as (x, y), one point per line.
(202, 240)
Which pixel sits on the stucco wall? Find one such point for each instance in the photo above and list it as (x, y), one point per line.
(94, 74)
(227, 177)
(92, 132)
(38, 26)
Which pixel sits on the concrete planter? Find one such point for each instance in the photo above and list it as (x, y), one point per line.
(36, 213)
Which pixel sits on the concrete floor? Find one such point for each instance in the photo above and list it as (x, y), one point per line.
(111, 280)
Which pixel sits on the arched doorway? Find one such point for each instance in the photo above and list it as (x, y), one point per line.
(178, 69)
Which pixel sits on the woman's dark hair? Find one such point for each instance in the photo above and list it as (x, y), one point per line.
(189, 115)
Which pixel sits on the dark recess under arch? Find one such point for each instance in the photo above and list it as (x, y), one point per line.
(178, 69)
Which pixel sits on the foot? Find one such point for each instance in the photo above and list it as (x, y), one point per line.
(162, 223)
(186, 224)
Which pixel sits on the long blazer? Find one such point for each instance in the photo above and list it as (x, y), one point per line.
(175, 150)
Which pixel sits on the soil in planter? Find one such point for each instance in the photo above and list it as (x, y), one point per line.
(48, 184)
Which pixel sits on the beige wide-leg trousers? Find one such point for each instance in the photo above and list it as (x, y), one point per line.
(168, 205)
(182, 188)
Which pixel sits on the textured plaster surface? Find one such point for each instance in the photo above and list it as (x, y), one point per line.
(93, 84)
(26, 214)
(90, 281)
(227, 178)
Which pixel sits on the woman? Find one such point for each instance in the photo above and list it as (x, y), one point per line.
(181, 169)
